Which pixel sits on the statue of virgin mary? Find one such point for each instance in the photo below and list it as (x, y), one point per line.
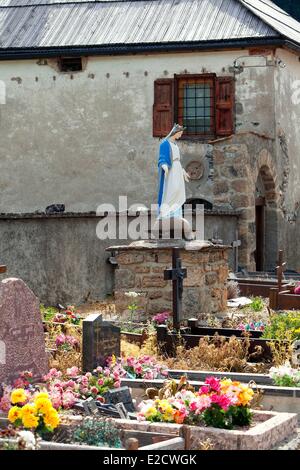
(172, 177)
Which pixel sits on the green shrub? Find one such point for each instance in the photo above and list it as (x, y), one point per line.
(95, 432)
(283, 326)
(257, 304)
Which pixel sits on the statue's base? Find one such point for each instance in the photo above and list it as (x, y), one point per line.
(141, 266)
(172, 228)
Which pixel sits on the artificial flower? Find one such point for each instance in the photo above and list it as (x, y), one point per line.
(18, 396)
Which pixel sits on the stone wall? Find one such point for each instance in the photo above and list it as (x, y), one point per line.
(240, 163)
(141, 268)
(62, 260)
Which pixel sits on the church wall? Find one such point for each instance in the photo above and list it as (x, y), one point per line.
(85, 138)
(287, 105)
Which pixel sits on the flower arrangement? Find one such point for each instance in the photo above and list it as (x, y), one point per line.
(67, 342)
(144, 367)
(35, 412)
(68, 316)
(285, 375)
(254, 326)
(218, 403)
(24, 381)
(62, 393)
(161, 318)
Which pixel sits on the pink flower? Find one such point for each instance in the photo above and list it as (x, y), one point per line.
(100, 382)
(100, 399)
(70, 384)
(68, 399)
(117, 384)
(213, 383)
(73, 371)
(200, 404)
(88, 375)
(55, 398)
(222, 400)
(99, 369)
(94, 390)
(130, 361)
(85, 381)
(106, 372)
(138, 369)
(149, 375)
(205, 389)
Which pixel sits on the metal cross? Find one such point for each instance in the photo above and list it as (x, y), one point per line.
(280, 269)
(235, 245)
(176, 275)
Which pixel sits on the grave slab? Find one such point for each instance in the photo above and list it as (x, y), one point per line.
(22, 343)
(100, 340)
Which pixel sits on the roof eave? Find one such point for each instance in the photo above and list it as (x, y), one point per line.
(124, 49)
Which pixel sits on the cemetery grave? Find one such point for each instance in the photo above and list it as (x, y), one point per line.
(95, 382)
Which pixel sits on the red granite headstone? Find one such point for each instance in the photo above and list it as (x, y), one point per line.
(22, 342)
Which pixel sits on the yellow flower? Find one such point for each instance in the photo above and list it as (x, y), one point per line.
(168, 415)
(30, 421)
(18, 396)
(14, 413)
(29, 409)
(245, 395)
(51, 419)
(41, 395)
(43, 405)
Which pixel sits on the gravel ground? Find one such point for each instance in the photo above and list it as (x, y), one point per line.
(293, 444)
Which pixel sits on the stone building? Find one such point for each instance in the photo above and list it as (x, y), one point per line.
(88, 88)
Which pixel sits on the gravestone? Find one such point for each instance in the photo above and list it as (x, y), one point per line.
(100, 340)
(22, 342)
(120, 395)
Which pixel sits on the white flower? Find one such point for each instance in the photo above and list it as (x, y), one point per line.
(27, 438)
(132, 294)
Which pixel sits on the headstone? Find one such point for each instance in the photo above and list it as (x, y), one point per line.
(120, 407)
(120, 395)
(89, 406)
(100, 340)
(22, 342)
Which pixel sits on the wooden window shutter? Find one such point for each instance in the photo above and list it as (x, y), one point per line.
(163, 108)
(225, 106)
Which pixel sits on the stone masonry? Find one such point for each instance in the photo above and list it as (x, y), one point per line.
(141, 268)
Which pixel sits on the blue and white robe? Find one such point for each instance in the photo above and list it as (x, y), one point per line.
(171, 194)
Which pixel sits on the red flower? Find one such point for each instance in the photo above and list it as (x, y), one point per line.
(222, 400)
(213, 383)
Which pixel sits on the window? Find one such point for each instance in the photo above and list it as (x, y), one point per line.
(204, 104)
(70, 64)
(196, 106)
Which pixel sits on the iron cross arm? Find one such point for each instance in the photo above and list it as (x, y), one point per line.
(175, 274)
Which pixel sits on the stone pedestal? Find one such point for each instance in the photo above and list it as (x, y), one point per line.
(141, 268)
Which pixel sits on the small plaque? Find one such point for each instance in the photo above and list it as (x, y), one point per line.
(195, 170)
